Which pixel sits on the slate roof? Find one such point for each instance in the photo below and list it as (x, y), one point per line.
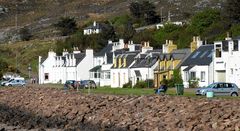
(110, 58)
(79, 57)
(144, 63)
(98, 26)
(96, 68)
(129, 58)
(137, 73)
(105, 50)
(201, 56)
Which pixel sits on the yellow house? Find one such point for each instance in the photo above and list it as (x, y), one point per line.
(168, 61)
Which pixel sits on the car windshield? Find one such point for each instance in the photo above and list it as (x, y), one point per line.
(211, 85)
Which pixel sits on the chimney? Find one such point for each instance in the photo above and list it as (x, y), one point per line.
(76, 50)
(228, 36)
(51, 53)
(196, 43)
(110, 42)
(94, 23)
(65, 52)
(89, 52)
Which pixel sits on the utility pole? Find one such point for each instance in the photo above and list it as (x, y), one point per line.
(161, 14)
(169, 16)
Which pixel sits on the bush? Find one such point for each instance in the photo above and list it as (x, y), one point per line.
(194, 83)
(140, 84)
(127, 85)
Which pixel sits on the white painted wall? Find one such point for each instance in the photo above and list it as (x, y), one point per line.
(85, 65)
(119, 77)
(198, 69)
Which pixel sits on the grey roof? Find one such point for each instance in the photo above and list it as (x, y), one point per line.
(144, 63)
(188, 68)
(105, 50)
(98, 26)
(201, 56)
(137, 73)
(184, 50)
(129, 58)
(155, 51)
(110, 58)
(79, 57)
(178, 56)
(42, 60)
(96, 68)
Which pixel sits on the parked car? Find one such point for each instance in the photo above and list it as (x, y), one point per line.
(88, 83)
(219, 89)
(16, 82)
(70, 84)
(8, 80)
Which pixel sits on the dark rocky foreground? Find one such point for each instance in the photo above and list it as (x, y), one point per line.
(52, 109)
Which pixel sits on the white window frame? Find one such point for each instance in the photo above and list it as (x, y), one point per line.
(203, 76)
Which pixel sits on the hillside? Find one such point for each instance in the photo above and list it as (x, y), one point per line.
(21, 54)
(39, 15)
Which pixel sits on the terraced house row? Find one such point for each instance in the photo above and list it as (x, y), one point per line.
(120, 63)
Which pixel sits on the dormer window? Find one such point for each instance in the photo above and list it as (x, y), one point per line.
(218, 51)
(235, 45)
(225, 46)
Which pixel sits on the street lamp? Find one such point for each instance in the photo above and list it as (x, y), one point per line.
(29, 70)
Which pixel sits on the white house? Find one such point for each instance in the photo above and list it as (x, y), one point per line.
(103, 60)
(226, 61)
(144, 64)
(69, 66)
(198, 66)
(120, 71)
(96, 28)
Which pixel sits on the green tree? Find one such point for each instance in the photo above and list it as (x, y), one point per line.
(232, 10)
(25, 34)
(203, 20)
(3, 67)
(136, 10)
(67, 25)
(176, 79)
(144, 11)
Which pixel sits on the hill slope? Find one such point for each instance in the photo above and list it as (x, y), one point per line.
(39, 15)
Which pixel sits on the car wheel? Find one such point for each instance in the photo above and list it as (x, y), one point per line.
(23, 85)
(234, 94)
(10, 85)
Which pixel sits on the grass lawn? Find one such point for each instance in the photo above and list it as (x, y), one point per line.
(134, 91)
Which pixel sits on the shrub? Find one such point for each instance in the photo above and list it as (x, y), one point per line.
(140, 84)
(194, 83)
(127, 85)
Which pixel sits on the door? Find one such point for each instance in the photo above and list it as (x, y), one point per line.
(219, 90)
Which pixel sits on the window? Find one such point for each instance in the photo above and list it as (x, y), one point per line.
(186, 76)
(218, 53)
(203, 76)
(96, 74)
(114, 79)
(235, 45)
(192, 75)
(107, 75)
(196, 54)
(225, 46)
(46, 76)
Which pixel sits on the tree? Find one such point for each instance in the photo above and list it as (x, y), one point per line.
(66, 25)
(150, 15)
(136, 10)
(232, 10)
(203, 20)
(25, 34)
(145, 11)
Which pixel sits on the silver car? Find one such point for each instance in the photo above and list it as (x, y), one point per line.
(16, 83)
(219, 89)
